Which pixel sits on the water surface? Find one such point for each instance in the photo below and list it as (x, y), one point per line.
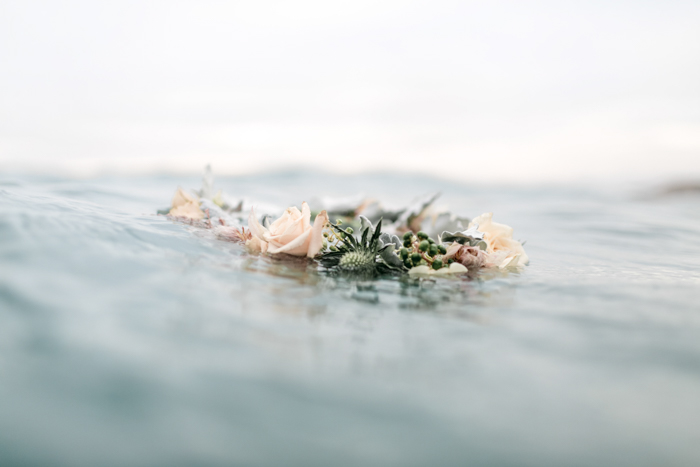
(129, 339)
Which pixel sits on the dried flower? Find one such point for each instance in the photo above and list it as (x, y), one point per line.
(233, 234)
(186, 205)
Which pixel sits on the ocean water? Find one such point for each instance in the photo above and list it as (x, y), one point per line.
(129, 339)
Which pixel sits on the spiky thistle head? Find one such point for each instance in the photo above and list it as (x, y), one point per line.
(357, 261)
(353, 255)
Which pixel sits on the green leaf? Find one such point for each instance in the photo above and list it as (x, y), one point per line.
(375, 237)
(364, 236)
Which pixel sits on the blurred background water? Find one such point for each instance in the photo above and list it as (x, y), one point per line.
(499, 91)
(129, 339)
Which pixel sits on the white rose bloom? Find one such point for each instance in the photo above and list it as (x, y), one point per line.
(503, 250)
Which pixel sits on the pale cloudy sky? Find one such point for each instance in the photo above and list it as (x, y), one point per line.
(515, 90)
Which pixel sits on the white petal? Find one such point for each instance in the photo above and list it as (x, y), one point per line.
(317, 234)
(290, 247)
(255, 227)
(457, 268)
(306, 215)
(420, 270)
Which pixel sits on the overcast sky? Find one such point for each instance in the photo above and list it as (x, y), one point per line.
(520, 91)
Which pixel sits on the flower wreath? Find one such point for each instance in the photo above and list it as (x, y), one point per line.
(415, 240)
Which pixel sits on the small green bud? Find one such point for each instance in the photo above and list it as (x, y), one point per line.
(334, 248)
(422, 235)
(325, 234)
(450, 261)
(424, 245)
(431, 241)
(408, 236)
(407, 243)
(407, 262)
(338, 221)
(442, 249)
(416, 257)
(433, 250)
(349, 230)
(437, 264)
(404, 253)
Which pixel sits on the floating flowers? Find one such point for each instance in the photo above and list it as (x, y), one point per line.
(371, 252)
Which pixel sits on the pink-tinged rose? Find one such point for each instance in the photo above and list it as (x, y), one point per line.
(291, 234)
(472, 257)
(186, 205)
(503, 250)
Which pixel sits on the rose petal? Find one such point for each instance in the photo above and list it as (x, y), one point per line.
(291, 231)
(254, 226)
(317, 233)
(278, 225)
(297, 247)
(306, 216)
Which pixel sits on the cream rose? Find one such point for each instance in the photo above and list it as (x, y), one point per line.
(186, 205)
(292, 233)
(503, 250)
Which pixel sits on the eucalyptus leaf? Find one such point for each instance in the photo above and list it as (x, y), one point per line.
(388, 239)
(389, 257)
(471, 237)
(366, 223)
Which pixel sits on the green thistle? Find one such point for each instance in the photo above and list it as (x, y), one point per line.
(357, 261)
(360, 256)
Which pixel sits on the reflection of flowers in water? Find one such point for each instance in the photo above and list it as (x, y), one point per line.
(456, 297)
(296, 286)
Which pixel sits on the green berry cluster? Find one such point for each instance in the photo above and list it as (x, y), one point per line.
(420, 249)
